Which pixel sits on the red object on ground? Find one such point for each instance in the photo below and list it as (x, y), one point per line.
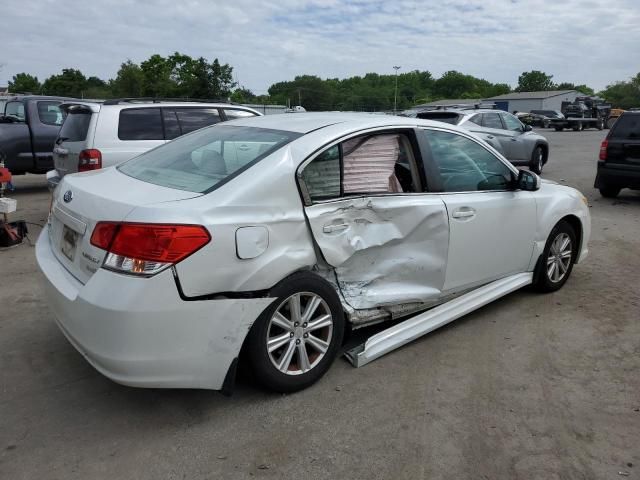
(5, 175)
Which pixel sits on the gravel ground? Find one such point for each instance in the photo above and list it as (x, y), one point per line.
(529, 387)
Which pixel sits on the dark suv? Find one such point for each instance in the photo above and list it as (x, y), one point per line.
(619, 163)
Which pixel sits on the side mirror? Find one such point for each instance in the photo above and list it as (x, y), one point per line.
(528, 181)
(528, 128)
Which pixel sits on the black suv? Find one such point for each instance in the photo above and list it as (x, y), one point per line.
(619, 163)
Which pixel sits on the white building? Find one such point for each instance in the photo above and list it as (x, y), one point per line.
(527, 101)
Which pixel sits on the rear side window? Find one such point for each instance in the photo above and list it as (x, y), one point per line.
(492, 120)
(171, 126)
(370, 164)
(627, 127)
(140, 124)
(192, 119)
(49, 113)
(232, 114)
(511, 122)
(206, 159)
(75, 126)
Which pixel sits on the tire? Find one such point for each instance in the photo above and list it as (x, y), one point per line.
(609, 192)
(556, 262)
(545, 124)
(537, 160)
(559, 129)
(600, 125)
(576, 127)
(302, 361)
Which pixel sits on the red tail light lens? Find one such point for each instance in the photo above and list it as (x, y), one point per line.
(89, 160)
(147, 248)
(603, 149)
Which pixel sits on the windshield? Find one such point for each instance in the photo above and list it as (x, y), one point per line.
(207, 158)
(75, 126)
(626, 127)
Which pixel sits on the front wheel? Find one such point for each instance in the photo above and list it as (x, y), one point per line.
(295, 340)
(537, 160)
(557, 259)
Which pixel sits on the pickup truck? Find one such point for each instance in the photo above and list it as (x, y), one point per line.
(29, 126)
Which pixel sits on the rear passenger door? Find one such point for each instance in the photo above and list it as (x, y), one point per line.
(516, 132)
(494, 128)
(139, 129)
(386, 239)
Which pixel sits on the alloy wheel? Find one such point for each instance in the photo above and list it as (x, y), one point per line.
(559, 258)
(299, 333)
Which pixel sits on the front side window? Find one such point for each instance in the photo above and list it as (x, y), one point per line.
(140, 124)
(512, 123)
(49, 113)
(206, 159)
(492, 120)
(368, 164)
(15, 109)
(192, 119)
(466, 166)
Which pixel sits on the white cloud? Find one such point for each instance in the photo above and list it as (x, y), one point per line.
(577, 41)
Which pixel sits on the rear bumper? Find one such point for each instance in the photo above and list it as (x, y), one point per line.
(138, 332)
(617, 176)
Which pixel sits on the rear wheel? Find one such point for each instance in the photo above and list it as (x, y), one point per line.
(576, 127)
(557, 259)
(609, 192)
(559, 129)
(537, 160)
(298, 336)
(600, 125)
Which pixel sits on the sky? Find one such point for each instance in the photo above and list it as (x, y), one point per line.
(266, 41)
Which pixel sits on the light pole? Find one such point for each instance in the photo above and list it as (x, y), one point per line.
(395, 95)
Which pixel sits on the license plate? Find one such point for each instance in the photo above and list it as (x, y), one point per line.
(68, 242)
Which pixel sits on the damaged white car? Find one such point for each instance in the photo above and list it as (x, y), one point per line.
(272, 235)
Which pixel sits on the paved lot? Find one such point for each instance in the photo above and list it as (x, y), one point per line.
(530, 387)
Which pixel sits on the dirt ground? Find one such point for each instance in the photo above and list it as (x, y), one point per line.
(530, 387)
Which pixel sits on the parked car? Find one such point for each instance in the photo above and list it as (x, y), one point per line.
(619, 159)
(28, 128)
(97, 135)
(502, 130)
(163, 269)
(542, 118)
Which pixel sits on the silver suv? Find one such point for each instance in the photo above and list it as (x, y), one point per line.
(101, 134)
(503, 131)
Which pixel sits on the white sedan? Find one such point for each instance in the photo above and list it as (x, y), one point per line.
(269, 236)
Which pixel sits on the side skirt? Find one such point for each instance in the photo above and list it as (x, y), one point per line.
(415, 327)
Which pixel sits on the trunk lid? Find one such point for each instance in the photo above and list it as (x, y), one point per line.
(82, 200)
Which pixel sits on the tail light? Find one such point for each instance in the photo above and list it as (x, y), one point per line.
(89, 160)
(147, 248)
(603, 149)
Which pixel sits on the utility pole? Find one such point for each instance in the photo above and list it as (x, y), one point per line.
(395, 96)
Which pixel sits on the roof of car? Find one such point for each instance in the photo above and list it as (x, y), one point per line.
(307, 122)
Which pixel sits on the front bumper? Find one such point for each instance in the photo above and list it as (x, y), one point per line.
(138, 332)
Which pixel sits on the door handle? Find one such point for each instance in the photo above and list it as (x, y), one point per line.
(464, 212)
(514, 139)
(490, 137)
(335, 227)
(243, 148)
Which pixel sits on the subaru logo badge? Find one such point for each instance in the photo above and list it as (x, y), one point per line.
(68, 196)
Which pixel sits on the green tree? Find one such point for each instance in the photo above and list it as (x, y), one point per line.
(70, 83)
(243, 95)
(623, 94)
(129, 81)
(535, 81)
(453, 84)
(580, 88)
(157, 77)
(24, 83)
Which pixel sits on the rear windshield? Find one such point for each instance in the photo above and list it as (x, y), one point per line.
(627, 126)
(75, 126)
(446, 117)
(206, 159)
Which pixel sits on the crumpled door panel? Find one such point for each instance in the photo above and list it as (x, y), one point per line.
(386, 250)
